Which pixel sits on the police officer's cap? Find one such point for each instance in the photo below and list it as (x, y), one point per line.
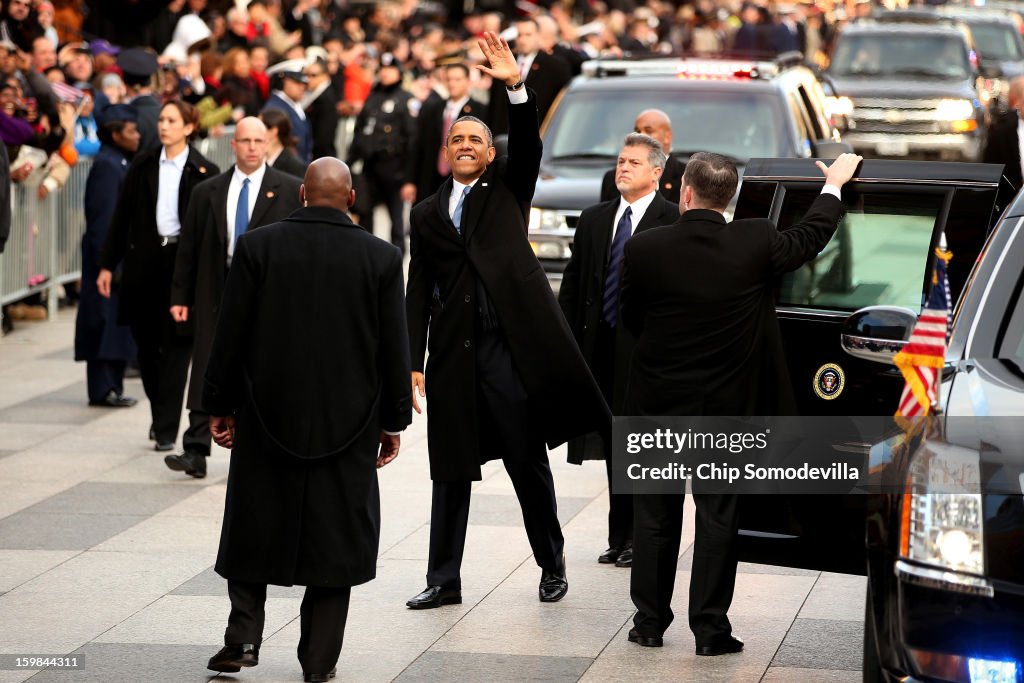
(388, 59)
(137, 63)
(119, 112)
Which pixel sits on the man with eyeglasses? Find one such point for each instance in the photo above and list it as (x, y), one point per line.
(247, 196)
(321, 102)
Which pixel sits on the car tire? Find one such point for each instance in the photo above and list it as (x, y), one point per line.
(872, 668)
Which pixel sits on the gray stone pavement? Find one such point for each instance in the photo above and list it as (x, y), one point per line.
(105, 552)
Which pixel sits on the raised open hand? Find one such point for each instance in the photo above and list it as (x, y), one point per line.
(499, 56)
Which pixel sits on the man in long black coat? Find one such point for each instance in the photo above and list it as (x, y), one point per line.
(208, 238)
(699, 296)
(105, 346)
(504, 375)
(589, 297)
(658, 125)
(426, 166)
(309, 408)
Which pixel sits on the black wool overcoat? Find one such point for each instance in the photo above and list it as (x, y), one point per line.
(443, 315)
(311, 355)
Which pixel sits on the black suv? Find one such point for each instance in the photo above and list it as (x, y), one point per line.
(739, 108)
(908, 88)
(997, 36)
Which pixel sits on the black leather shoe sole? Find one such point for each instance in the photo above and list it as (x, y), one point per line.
(553, 592)
(164, 446)
(731, 646)
(608, 556)
(310, 677)
(645, 641)
(114, 402)
(443, 598)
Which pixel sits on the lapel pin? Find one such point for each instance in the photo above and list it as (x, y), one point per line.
(465, 109)
(668, 186)
(483, 184)
(202, 169)
(270, 195)
(535, 67)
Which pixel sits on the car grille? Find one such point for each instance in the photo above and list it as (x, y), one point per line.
(895, 116)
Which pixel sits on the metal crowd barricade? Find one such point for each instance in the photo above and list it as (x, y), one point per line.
(44, 249)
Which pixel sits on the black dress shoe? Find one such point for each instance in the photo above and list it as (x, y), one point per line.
(231, 658)
(609, 556)
(435, 596)
(553, 584)
(192, 464)
(163, 446)
(625, 558)
(114, 400)
(644, 641)
(724, 646)
(310, 677)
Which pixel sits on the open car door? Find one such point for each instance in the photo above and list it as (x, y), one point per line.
(882, 254)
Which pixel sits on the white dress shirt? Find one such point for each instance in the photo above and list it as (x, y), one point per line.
(639, 208)
(235, 189)
(168, 222)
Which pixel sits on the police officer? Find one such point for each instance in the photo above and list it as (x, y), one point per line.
(384, 135)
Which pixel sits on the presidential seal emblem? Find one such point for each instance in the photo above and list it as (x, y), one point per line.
(829, 381)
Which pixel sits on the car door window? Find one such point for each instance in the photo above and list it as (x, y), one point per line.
(804, 138)
(817, 127)
(879, 254)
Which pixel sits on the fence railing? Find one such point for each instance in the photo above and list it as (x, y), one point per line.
(44, 248)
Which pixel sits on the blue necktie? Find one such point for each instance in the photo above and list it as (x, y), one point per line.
(242, 210)
(457, 216)
(612, 276)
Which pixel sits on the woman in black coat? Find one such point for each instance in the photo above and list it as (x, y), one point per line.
(143, 238)
(281, 143)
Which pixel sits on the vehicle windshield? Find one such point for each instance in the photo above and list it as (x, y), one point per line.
(997, 42)
(913, 55)
(592, 125)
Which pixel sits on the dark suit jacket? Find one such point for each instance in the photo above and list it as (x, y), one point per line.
(581, 297)
(421, 164)
(548, 75)
(444, 273)
(1003, 147)
(311, 383)
(290, 164)
(133, 239)
(671, 182)
(300, 127)
(699, 296)
(200, 268)
(323, 121)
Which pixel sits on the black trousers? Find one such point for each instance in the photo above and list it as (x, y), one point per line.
(384, 180)
(505, 430)
(104, 376)
(164, 357)
(322, 619)
(656, 539)
(620, 505)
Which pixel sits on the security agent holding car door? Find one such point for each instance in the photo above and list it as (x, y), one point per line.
(589, 297)
(699, 296)
(503, 375)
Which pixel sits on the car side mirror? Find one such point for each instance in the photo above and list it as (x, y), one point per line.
(877, 333)
(829, 149)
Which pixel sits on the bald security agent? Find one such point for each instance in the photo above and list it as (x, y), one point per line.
(310, 409)
(699, 295)
(247, 196)
(589, 297)
(658, 125)
(503, 374)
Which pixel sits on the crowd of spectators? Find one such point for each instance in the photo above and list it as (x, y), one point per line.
(63, 62)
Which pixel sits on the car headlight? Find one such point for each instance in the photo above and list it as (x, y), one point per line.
(954, 110)
(942, 519)
(838, 106)
(552, 249)
(547, 219)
